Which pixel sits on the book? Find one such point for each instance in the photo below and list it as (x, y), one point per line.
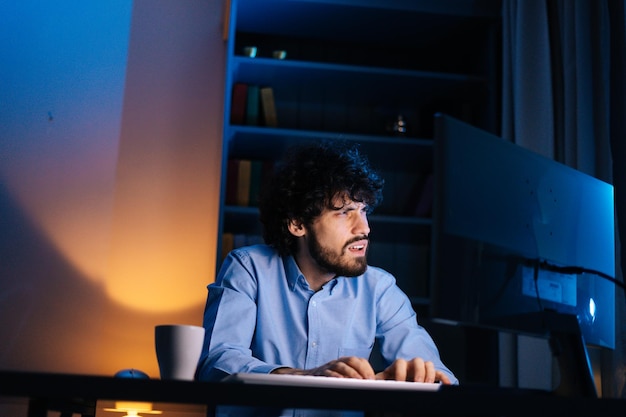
(239, 182)
(228, 244)
(256, 178)
(232, 173)
(238, 104)
(243, 182)
(268, 107)
(262, 170)
(252, 105)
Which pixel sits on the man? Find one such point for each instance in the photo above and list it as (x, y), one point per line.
(306, 302)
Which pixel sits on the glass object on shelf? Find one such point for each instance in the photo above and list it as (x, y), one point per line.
(250, 51)
(279, 54)
(399, 127)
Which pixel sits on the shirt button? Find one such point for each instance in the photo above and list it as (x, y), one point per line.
(314, 344)
(314, 303)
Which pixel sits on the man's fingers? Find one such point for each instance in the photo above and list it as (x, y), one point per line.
(360, 366)
(348, 367)
(417, 370)
(430, 372)
(443, 378)
(400, 370)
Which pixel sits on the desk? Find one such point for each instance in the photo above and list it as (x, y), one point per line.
(79, 394)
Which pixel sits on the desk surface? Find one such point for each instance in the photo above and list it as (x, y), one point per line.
(85, 390)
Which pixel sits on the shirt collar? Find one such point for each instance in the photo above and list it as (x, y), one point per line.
(292, 272)
(294, 275)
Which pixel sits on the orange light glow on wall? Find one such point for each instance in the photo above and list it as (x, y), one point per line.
(110, 153)
(163, 242)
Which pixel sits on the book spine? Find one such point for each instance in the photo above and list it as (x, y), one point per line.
(228, 244)
(256, 178)
(268, 107)
(232, 174)
(252, 105)
(238, 104)
(243, 182)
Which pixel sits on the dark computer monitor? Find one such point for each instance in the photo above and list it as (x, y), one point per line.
(516, 234)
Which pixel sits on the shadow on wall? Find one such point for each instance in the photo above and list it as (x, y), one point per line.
(52, 319)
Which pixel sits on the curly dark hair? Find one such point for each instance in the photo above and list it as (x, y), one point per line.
(306, 182)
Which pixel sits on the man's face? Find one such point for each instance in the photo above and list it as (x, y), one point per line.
(338, 239)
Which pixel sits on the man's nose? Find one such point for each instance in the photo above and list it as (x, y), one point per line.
(362, 226)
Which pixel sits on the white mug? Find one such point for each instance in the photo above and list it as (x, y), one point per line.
(178, 349)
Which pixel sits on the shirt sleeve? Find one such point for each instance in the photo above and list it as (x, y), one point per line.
(399, 333)
(229, 320)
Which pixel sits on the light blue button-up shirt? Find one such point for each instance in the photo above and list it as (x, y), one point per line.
(261, 314)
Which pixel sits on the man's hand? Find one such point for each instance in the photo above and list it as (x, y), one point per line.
(415, 370)
(344, 367)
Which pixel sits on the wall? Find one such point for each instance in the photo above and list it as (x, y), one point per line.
(110, 142)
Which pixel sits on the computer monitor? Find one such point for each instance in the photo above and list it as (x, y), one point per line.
(516, 233)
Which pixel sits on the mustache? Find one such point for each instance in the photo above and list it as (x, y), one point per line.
(357, 239)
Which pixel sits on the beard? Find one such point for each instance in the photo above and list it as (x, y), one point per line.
(330, 261)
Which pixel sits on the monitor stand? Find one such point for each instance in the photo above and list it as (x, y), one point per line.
(568, 348)
(480, 354)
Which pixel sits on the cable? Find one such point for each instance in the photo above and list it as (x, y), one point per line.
(575, 270)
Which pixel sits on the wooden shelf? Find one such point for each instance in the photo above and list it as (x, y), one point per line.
(352, 67)
(269, 143)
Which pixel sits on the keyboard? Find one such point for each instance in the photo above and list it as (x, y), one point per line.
(330, 382)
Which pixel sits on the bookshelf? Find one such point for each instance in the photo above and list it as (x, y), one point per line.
(351, 68)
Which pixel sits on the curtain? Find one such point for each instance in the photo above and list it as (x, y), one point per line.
(563, 96)
(617, 126)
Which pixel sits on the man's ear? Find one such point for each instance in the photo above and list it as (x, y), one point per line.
(296, 228)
